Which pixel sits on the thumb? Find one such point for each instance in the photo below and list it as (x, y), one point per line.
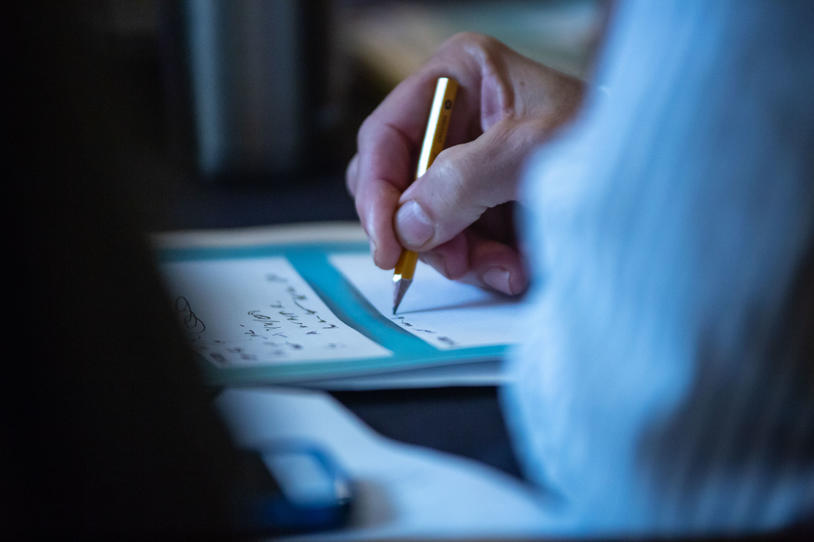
(462, 183)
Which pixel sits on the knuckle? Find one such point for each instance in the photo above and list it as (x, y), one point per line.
(463, 184)
(449, 196)
(453, 171)
(484, 49)
(468, 41)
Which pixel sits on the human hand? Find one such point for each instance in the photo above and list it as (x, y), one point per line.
(458, 215)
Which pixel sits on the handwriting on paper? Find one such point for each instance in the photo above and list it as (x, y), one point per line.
(407, 323)
(444, 313)
(259, 311)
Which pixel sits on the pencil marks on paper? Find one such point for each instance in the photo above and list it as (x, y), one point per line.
(189, 319)
(259, 311)
(407, 323)
(444, 313)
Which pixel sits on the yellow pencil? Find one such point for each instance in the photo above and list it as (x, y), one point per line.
(445, 91)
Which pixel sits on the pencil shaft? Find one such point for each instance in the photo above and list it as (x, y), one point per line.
(405, 268)
(434, 137)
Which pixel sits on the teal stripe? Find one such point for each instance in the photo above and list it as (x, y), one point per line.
(311, 262)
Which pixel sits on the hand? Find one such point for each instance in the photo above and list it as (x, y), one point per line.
(458, 215)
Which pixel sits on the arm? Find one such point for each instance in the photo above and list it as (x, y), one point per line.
(667, 385)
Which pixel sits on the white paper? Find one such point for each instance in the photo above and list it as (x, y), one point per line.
(259, 311)
(403, 491)
(445, 313)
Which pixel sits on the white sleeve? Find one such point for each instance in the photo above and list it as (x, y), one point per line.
(667, 385)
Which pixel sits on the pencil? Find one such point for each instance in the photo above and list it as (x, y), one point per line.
(434, 137)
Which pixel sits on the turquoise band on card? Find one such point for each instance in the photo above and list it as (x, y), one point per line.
(311, 262)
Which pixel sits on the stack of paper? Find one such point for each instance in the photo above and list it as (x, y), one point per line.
(306, 305)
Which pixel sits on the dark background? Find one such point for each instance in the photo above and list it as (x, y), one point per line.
(349, 54)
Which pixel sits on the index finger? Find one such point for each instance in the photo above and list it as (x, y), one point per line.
(388, 146)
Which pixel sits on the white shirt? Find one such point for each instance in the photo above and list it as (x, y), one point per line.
(669, 385)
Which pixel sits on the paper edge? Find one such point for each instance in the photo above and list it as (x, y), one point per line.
(303, 232)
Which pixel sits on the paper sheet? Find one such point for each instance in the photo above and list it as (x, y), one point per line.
(445, 313)
(256, 311)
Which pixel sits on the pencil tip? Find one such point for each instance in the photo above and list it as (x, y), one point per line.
(400, 287)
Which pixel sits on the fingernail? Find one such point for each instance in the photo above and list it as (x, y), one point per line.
(413, 224)
(498, 278)
(373, 248)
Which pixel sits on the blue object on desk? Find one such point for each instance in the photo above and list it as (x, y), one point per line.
(291, 487)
